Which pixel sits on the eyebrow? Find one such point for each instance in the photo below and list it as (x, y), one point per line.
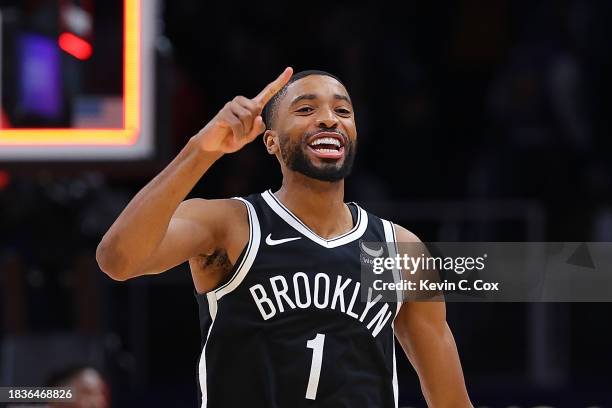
(313, 96)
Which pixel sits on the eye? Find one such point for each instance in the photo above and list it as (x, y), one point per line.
(343, 111)
(305, 109)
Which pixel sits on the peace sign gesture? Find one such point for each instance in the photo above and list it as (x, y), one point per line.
(239, 121)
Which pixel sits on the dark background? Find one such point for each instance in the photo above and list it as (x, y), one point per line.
(477, 120)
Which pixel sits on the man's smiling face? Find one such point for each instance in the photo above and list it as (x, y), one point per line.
(315, 128)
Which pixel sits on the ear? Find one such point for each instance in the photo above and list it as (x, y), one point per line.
(270, 139)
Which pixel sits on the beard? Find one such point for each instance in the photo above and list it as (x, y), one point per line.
(296, 159)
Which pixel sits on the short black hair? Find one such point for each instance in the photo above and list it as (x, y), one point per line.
(270, 109)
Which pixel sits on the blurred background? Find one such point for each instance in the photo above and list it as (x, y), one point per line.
(478, 120)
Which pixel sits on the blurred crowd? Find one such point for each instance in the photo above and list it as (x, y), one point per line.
(475, 99)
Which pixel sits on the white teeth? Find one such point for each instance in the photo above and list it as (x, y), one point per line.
(326, 140)
(327, 150)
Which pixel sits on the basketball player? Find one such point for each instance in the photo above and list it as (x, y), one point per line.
(277, 274)
(88, 387)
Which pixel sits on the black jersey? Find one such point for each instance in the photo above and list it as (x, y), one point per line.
(289, 329)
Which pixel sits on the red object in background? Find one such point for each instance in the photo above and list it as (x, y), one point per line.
(75, 46)
(5, 179)
(4, 121)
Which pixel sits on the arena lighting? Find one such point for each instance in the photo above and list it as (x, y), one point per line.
(125, 136)
(75, 46)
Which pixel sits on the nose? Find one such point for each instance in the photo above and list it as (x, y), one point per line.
(327, 118)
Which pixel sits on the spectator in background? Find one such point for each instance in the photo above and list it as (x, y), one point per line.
(88, 387)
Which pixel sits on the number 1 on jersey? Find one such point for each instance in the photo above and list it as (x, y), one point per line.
(316, 345)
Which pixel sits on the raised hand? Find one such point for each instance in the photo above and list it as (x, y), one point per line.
(239, 122)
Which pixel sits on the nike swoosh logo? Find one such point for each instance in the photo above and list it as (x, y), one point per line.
(372, 252)
(273, 242)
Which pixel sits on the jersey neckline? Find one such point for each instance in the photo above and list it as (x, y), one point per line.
(354, 233)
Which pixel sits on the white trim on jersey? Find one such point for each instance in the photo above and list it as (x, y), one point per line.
(236, 279)
(249, 256)
(202, 369)
(395, 385)
(356, 232)
(212, 304)
(390, 237)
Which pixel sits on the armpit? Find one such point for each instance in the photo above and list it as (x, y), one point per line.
(218, 261)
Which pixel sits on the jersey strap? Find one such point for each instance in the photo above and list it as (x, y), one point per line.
(236, 279)
(245, 263)
(391, 239)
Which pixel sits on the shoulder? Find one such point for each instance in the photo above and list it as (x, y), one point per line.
(404, 235)
(223, 220)
(202, 209)
(401, 234)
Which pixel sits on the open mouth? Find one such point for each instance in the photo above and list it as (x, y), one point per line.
(327, 145)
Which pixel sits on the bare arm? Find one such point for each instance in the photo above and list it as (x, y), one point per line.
(158, 230)
(428, 342)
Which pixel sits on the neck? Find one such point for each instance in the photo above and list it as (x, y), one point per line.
(319, 204)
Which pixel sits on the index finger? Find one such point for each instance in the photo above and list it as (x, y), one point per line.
(273, 87)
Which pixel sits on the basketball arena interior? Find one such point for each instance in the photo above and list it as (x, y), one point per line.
(477, 121)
